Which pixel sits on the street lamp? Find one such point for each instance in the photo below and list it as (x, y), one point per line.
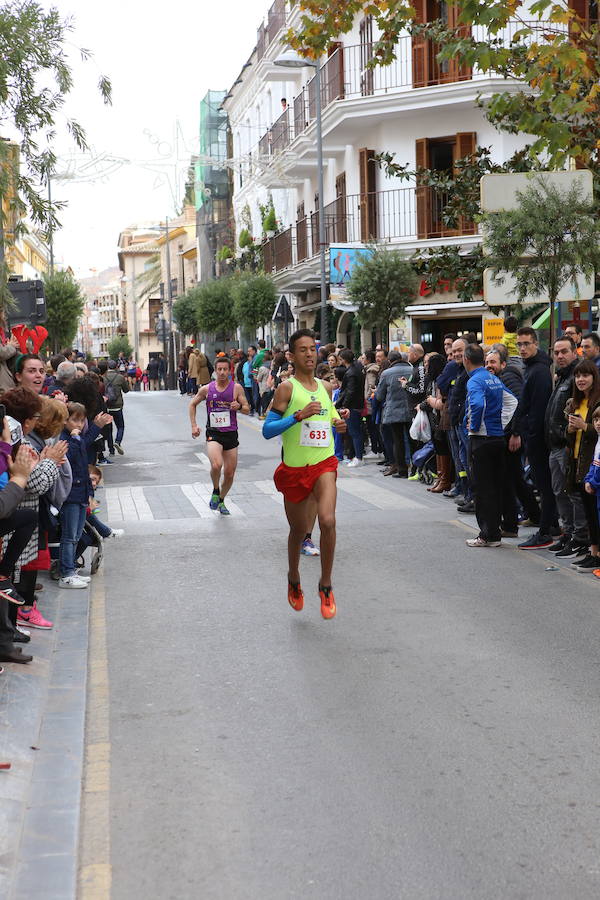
(170, 361)
(292, 61)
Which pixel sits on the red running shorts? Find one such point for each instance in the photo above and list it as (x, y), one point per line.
(297, 482)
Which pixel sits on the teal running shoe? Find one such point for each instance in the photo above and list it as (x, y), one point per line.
(223, 509)
(214, 500)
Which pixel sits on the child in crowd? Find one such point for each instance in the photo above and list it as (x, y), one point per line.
(145, 380)
(73, 511)
(87, 537)
(509, 339)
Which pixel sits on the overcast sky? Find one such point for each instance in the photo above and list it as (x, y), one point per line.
(161, 60)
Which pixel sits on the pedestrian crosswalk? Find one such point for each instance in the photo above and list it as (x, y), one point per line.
(150, 503)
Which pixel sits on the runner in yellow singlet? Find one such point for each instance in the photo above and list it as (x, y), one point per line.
(304, 415)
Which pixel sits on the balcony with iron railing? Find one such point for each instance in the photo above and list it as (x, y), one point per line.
(346, 75)
(267, 32)
(401, 215)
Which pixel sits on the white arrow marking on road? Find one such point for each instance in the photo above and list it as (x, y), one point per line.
(205, 490)
(200, 505)
(141, 504)
(267, 487)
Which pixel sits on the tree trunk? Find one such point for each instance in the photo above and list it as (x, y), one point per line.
(552, 328)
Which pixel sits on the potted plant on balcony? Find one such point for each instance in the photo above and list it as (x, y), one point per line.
(224, 254)
(270, 222)
(245, 240)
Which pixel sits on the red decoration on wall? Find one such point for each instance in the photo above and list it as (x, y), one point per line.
(24, 334)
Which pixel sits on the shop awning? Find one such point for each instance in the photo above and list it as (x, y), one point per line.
(432, 308)
(542, 321)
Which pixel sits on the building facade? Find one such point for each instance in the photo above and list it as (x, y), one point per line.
(105, 318)
(422, 111)
(139, 264)
(147, 301)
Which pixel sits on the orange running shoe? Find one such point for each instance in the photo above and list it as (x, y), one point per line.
(596, 572)
(328, 608)
(295, 596)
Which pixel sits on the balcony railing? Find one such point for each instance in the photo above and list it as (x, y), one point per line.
(267, 33)
(277, 252)
(346, 75)
(404, 214)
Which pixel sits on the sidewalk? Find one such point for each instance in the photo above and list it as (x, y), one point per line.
(42, 722)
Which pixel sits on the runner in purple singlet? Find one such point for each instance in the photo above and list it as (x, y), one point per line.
(224, 398)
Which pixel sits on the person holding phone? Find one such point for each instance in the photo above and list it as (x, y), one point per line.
(581, 438)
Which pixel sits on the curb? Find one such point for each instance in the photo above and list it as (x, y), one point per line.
(47, 753)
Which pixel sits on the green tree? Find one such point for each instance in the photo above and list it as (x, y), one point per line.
(185, 311)
(215, 307)
(382, 283)
(557, 58)
(449, 263)
(35, 79)
(64, 305)
(547, 242)
(254, 300)
(119, 344)
(148, 281)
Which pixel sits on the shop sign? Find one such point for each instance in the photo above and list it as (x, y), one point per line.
(493, 331)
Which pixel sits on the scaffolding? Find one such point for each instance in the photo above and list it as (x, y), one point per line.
(213, 187)
(212, 177)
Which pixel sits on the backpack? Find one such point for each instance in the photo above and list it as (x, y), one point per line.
(112, 395)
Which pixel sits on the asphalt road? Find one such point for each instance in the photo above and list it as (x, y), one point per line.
(438, 739)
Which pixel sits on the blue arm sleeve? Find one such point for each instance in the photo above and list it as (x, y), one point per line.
(275, 424)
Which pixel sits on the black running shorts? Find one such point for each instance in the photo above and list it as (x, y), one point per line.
(227, 439)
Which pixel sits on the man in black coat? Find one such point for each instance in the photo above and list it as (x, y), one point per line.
(575, 538)
(528, 429)
(515, 486)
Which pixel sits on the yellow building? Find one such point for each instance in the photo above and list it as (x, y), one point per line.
(26, 251)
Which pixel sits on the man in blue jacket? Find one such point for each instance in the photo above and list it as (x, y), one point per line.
(490, 407)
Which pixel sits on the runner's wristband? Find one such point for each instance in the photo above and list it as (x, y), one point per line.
(275, 424)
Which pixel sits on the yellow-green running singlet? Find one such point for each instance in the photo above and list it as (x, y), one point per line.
(310, 441)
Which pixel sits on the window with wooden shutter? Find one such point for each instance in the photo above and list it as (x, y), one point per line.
(466, 142)
(427, 69)
(440, 154)
(366, 55)
(301, 233)
(340, 229)
(368, 196)
(422, 193)
(333, 74)
(458, 71)
(587, 10)
(420, 57)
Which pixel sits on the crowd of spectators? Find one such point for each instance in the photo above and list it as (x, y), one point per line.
(506, 431)
(57, 418)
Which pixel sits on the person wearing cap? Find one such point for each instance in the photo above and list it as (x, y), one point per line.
(115, 385)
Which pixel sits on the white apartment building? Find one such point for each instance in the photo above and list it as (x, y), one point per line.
(104, 318)
(422, 111)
